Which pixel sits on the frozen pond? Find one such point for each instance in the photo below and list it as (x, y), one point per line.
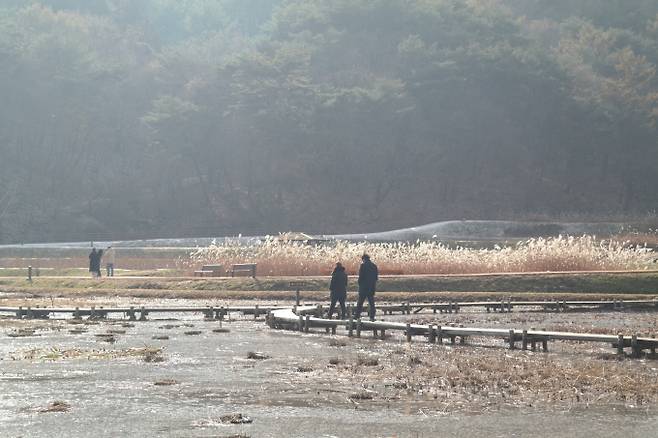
(294, 393)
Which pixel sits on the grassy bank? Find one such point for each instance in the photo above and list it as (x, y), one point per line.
(549, 286)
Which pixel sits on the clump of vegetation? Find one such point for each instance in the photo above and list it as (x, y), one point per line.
(221, 330)
(106, 337)
(337, 343)
(153, 355)
(192, 332)
(22, 332)
(362, 395)
(56, 406)
(237, 418)
(367, 361)
(166, 382)
(304, 369)
(160, 337)
(336, 361)
(256, 355)
(56, 353)
(562, 253)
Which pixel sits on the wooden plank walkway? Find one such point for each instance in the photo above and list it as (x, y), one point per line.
(508, 304)
(300, 319)
(218, 312)
(133, 313)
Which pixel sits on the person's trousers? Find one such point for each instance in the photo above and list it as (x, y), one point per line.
(371, 305)
(337, 298)
(110, 269)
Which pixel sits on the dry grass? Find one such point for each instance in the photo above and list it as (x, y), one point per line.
(453, 379)
(639, 239)
(56, 353)
(563, 253)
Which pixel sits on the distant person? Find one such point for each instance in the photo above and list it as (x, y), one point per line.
(110, 259)
(99, 255)
(92, 258)
(338, 289)
(368, 275)
(95, 262)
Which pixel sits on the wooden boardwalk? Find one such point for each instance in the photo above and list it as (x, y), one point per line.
(301, 319)
(133, 313)
(305, 318)
(509, 304)
(217, 312)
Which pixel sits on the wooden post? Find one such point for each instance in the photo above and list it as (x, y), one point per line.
(533, 344)
(350, 322)
(256, 312)
(301, 323)
(333, 329)
(307, 323)
(620, 344)
(382, 334)
(524, 340)
(358, 328)
(511, 340)
(19, 312)
(408, 332)
(439, 334)
(509, 304)
(408, 308)
(635, 347)
(297, 297)
(430, 334)
(131, 313)
(30, 313)
(29, 274)
(142, 313)
(544, 345)
(92, 313)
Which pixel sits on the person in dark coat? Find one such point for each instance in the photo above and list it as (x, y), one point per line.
(368, 275)
(95, 262)
(338, 289)
(92, 262)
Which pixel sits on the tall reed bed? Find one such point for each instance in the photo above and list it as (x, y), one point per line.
(563, 253)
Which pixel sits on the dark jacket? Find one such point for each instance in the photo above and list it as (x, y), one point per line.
(95, 260)
(338, 283)
(368, 275)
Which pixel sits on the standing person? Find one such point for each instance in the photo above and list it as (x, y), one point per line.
(92, 262)
(97, 265)
(110, 259)
(368, 276)
(338, 288)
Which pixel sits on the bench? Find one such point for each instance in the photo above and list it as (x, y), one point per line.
(210, 271)
(244, 267)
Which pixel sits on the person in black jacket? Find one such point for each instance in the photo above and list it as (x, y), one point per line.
(95, 262)
(368, 276)
(92, 262)
(338, 288)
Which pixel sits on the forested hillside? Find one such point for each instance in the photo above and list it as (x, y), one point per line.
(126, 119)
